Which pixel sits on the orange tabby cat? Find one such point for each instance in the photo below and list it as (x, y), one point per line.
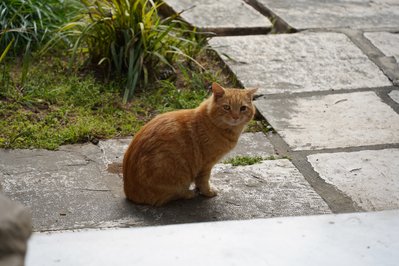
(179, 148)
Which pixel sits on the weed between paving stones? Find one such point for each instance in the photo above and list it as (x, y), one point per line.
(259, 126)
(247, 160)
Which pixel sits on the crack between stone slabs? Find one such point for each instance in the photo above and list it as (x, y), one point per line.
(225, 68)
(307, 94)
(390, 67)
(84, 157)
(337, 201)
(383, 62)
(89, 189)
(384, 95)
(305, 153)
(102, 166)
(167, 10)
(99, 165)
(345, 29)
(223, 32)
(279, 25)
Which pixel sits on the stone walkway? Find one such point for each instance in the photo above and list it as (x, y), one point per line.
(328, 85)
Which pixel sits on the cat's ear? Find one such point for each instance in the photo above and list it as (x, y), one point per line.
(251, 92)
(217, 90)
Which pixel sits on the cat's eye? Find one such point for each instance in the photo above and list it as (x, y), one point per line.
(226, 107)
(243, 108)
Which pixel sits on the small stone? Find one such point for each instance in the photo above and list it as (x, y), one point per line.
(95, 141)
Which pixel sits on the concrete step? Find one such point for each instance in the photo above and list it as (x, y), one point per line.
(344, 239)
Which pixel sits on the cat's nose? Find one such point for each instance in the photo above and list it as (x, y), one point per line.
(235, 117)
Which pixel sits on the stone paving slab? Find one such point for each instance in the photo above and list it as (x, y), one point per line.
(63, 189)
(370, 178)
(71, 188)
(312, 14)
(394, 95)
(386, 42)
(221, 17)
(274, 188)
(300, 62)
(252, 144)
(332, 121)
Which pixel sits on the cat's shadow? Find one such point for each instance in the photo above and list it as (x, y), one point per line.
(199, 209)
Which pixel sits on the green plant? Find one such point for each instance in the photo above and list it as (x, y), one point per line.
(244, 160)
(129, 37)
(167, 97)
(187, 91)
(3, 53)
(29, 23)
(24, 26)
(259, 126)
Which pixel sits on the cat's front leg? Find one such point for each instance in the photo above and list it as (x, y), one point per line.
(202, 183)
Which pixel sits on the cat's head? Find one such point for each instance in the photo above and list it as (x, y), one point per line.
(231, 107)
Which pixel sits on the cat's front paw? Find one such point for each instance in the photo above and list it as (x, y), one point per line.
(210, 193)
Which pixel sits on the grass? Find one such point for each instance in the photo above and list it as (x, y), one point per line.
(259, 126)
(51, 110)
(244, 160)
(55, 107)
(250, 160)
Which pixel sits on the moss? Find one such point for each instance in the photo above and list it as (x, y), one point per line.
(244, 160)
(250, 160)
(259, 126)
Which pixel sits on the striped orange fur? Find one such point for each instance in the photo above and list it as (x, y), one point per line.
(179, 148)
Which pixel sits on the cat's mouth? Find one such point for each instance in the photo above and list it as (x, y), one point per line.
(234, 122)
